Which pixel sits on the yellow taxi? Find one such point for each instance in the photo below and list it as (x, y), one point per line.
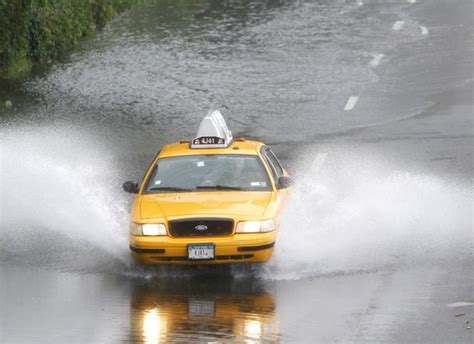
(211, 200)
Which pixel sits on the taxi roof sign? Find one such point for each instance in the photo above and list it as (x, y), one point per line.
(213, 132)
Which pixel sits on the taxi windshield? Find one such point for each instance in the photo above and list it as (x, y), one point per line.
(207, 173)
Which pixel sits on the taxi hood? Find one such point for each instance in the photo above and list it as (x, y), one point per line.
(227, 203)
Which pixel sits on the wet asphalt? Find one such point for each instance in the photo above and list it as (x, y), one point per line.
(376, 242)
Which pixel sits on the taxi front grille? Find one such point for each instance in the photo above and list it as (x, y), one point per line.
(201, 227)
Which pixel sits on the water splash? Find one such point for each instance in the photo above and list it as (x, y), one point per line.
(59, 201)
(61, 207)
(358, 212)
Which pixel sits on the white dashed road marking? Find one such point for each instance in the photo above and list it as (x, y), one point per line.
(460, 304)
(424, 30)
(398, 25)
(411, 1)
(376, 60)
(351, 102)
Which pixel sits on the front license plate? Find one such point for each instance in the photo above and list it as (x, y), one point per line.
(201, 251)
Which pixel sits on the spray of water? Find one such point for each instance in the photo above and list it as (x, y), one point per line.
(61, 207)
(358, 212)
(59, 202)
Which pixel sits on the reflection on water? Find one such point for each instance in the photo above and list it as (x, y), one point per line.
(152, 326)
(42, 306)
(214, 312)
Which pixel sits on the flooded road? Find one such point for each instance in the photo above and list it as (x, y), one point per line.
(368, 104)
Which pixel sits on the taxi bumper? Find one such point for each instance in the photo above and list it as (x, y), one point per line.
(237, 248)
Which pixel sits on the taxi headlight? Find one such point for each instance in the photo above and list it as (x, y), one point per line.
(255, 226)
(151, 229)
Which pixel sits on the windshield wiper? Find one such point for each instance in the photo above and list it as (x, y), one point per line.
(218, 187)
(169, 188)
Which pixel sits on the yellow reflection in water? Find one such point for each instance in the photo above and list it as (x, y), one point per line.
(153, 326)
(159, 317)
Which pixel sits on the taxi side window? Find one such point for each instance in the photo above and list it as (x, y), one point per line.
(273, 163)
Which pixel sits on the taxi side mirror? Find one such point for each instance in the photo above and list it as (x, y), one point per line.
(131, 187)
(284, 182)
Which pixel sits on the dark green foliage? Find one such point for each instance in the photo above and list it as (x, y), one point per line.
(33, 31)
